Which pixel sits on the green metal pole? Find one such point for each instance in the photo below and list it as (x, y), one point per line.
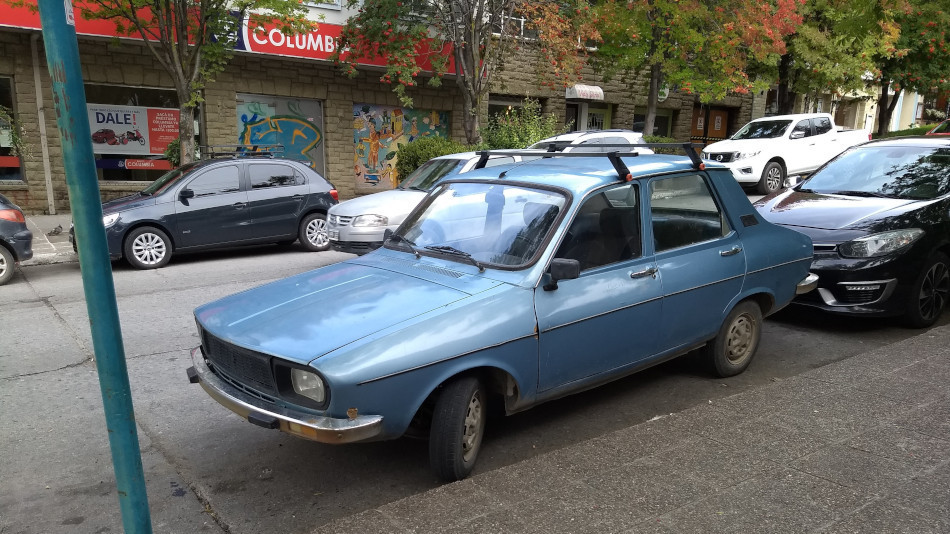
(69, 97)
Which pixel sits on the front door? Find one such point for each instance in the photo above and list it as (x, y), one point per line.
(218, 211)
(276, 199)
(605, 320)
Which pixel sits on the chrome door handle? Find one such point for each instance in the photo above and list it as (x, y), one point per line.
(239, 205)
(644, 273)
(731, 252)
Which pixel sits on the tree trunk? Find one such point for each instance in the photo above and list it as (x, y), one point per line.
(885, 106)
(656, 77)
(186, 127)
(786, 97)
(469, 114)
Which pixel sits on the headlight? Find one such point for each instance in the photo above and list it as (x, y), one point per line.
(874, 245)
(308, 385)
(109, 220)
(371, 220)
(744, 155)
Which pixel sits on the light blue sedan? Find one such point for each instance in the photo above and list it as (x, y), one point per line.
(557, 276)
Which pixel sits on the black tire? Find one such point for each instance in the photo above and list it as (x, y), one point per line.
(928, 296)
(147, 247)
(733, 348)
(7, 265)
(458, 425)
(773, 178)
(313, 232)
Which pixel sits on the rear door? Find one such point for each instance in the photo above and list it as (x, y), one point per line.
(276, 198)
(218, 211)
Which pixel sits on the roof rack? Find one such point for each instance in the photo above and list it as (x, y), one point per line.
(244, 151)
(614, 156)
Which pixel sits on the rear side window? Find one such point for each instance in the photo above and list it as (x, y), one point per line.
(217, 181)
(822, 125)
(684, 212)
(264, 175)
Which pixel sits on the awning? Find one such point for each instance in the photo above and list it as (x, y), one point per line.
(584, 92)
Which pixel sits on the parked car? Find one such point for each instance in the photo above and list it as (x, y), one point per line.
(16, 240)
(592, 141)
(941, 129)
(566, 273)
(878, 215)
(219, 202)
(766, 151)
(105, 135)
(357, 225)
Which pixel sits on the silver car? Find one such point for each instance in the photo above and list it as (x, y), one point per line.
(357, 226)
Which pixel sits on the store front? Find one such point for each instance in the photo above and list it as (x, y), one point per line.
(10, 166)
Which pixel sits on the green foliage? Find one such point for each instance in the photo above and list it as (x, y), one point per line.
(920, 130)
(173, 152)
(521, 127)
(412, 155)
(662, 139)
(8, 122)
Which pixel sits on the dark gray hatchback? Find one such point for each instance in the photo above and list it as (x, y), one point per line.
(220, 203)
(16, 241)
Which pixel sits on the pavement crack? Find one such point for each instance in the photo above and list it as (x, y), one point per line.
(47, 371)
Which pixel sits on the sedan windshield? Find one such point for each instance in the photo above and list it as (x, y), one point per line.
(168, 179)
(906, 172)
(503, 225)
(430, 173)
(762, 130)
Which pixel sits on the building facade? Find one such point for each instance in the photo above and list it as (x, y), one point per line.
(283, 90)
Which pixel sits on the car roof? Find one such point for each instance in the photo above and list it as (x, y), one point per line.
(921, 141)
(792, 117)
(582, 174)
(573, 136)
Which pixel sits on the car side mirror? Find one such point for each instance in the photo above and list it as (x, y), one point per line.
(562, 269)
(797, 135)
(186, 194)
(387, 233)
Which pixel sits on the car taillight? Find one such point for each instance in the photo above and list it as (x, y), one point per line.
(12, 215)
(335, 195)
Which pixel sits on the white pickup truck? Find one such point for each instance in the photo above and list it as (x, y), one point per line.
(768, 150)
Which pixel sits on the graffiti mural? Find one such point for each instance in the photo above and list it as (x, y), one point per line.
(296, 124)
(378, 132)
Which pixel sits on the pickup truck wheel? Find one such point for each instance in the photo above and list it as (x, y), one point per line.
(147, 248)
(731, 351)
(458, 424)
(7, 265)
(773, 178)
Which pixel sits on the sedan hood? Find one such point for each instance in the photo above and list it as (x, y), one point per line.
(134, 200)
(828, 212)
(306, 316)
(388, 203)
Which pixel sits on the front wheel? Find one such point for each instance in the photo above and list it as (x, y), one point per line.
(7, 265)
(773, 178)
(313, 232)
(731, 351)
(929, 295)
(458, 425)
(147, 248)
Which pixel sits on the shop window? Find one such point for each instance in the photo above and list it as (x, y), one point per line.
(661, 123)
(9, 162)
(499, 105)
(295, 124)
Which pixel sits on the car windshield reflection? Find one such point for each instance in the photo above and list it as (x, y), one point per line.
(904, 172)
(495, 225)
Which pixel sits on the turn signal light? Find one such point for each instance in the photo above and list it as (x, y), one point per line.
(12, 215)
(335, 195)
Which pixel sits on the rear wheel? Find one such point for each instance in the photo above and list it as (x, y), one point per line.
(7, 265)
(929, 295)
(147, 248)
(458, 425)
(773, 178)
(313, 232)
(731, 351)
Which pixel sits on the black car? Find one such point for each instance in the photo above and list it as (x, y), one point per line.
(220, 203)
(16, 241)
(878, 217)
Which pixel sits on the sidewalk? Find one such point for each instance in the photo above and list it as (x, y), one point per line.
(47, 248)
(858, 446)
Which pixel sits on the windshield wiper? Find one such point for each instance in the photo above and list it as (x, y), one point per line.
(873, 194)
(408, 242)
(456, 252)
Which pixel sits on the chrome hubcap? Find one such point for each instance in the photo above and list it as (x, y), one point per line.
(3, 265)
(933, 291)
(774, 178)
(148, 249)
(740, 339)
(473, 427)
(317, 233)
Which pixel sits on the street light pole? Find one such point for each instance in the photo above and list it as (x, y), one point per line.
(69, 98)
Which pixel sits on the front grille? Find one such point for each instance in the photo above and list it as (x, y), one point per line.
(244, 368)
(726, 157)
(340, 220)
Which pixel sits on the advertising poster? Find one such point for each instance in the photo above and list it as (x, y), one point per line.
(379, 131)
(294, 123)
(132, 130)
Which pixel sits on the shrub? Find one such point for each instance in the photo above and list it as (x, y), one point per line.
(920, 130)
(412, 155)
(521, 127)
(662, 139)
(173, 152)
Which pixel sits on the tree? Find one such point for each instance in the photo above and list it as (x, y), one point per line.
(702, 47)
(918, 61)
(474, 37)
(193, 39)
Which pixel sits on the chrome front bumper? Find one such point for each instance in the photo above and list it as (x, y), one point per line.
(809, 283)
(301, 424)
